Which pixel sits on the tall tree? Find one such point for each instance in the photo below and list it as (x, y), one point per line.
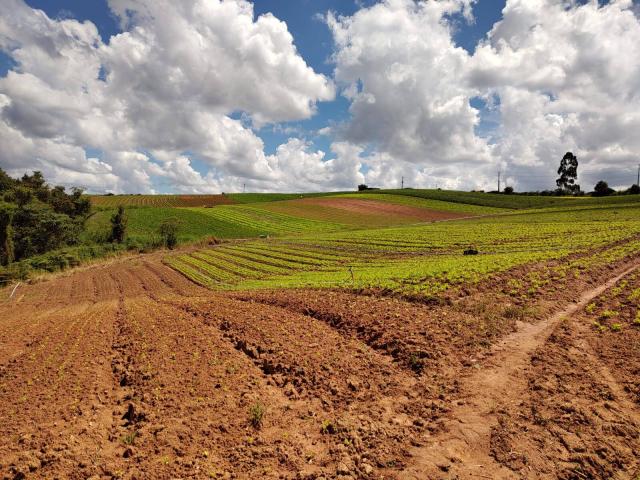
(568, 172)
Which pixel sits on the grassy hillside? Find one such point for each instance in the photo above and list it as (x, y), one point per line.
(269, 216)
(233, 221)
(509, 201)
(280, 215)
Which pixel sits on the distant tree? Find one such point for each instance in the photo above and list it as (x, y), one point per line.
(602, 189)
(74, 205)
(22, 196)
(118, 226)
(169, 232)
(508, 190)
(634, 189)
(33, 181)
(6, 182)
(568, 172)
(362, 187)
(6, 235)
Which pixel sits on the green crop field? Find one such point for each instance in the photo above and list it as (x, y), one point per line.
(349, 209)
(326, 215)
(244, 198)
(509, 201)
(113, 201)
(417, 259)
(425, 202)
(225, 221)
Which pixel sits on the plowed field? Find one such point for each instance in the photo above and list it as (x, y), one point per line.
(360, 211)
(128, 370)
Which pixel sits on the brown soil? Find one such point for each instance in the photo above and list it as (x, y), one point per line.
(203, 200)
(127, 370)
(377, 208)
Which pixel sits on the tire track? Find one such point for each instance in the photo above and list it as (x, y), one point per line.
(462, 450)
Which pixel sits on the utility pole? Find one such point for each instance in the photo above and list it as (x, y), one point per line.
(403, 183)
(244, 187)
(499, 173)
(638, 181)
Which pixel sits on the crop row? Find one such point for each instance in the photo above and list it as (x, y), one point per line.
(113, 201)
(422, 259)
(510, 201)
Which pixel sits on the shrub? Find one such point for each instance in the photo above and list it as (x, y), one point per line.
(256, 415)
(118, 226)
(169, 232)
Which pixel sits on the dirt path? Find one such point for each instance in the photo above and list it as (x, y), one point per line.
(463, 448)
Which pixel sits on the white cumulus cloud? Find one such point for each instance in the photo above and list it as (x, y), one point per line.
(164, 89)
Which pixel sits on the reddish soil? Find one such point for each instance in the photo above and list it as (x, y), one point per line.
(203, 200)
(384, 209)
(127, 370)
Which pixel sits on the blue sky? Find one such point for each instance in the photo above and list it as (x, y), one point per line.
(312, 39)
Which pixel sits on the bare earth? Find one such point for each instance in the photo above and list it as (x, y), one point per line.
(128, 370)
(368, 209)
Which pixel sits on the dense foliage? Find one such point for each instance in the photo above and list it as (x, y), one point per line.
(36, 218)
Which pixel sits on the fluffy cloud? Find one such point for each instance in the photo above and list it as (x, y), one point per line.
(191, 82)
(567, 76)
(404, 76)
(163, 89)
(559, 75)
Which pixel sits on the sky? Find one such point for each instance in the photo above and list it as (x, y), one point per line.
(204, 96)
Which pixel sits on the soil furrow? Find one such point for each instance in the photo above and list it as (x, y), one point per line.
(462, 450)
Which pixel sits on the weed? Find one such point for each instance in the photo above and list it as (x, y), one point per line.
(328, 427)
(616, 327)
(590, 308)
(256, 415)
(130, 438)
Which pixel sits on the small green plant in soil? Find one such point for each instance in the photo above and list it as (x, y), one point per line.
(130, 438)
(256, 415)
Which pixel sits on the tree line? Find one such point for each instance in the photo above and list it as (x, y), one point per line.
(44, 227)
(36, 218)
